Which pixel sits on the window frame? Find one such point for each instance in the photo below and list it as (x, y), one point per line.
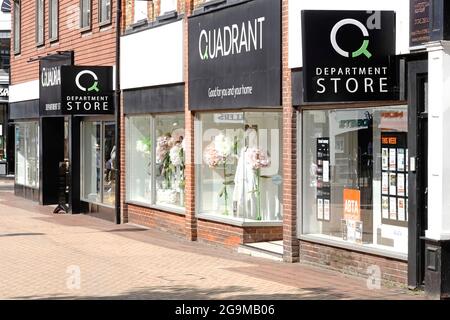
(161, 13)
(38, 42)
(106, 22)
(89, 26)
(50, 20)
(17, 38)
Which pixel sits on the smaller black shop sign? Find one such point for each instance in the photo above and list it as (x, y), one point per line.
(50, 82)
(348, 56)
(87, 90)
(235, 56)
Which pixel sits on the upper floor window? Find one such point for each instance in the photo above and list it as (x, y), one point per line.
(167, 6)
(53, 20)
(104, 15)
(16, 26)
(40, 22)
(140, 10)
(86, 13)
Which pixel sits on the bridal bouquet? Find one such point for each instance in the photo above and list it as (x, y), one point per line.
(217, 154)
(257, 159)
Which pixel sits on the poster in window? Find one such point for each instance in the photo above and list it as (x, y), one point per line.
(352, 203)
(385, 207)
(401, 209)
(401, 159)
(358, 232)
(384, 183)
(401, 185)
(326, 171)
(407, 160)
(384, 159)
(323, 179)
(320, 209)
(393, 184)
(326, 210)
(406, 188)
(392, 160)
(393, 208)
(344, 229)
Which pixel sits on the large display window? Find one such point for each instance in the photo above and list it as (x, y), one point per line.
(98, 162)
(27, 154)
(155, 160)
(355, 176)
(238, 156)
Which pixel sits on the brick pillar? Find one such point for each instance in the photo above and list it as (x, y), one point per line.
(191, 221)
(123, 206)
(290, 241)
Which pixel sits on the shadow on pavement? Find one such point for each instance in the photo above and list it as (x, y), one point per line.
(189, 293)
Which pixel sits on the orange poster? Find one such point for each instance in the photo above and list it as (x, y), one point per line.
(352, 204)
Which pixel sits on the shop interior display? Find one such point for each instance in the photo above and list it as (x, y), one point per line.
(240, 186)
(170, 168)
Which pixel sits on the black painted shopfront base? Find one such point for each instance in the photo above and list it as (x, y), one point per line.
(437, 269)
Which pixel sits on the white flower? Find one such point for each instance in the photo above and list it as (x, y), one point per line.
(223, 145)
(175, 155)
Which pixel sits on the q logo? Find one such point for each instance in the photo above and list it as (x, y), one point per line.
(93, 87)
(361, 50)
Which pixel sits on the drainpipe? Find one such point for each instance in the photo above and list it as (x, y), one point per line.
(117, 110)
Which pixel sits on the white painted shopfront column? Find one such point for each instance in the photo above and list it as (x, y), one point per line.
(439, 141)
(437, 242)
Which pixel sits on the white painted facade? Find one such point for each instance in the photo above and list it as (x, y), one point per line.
(24, 91)
(152, 57)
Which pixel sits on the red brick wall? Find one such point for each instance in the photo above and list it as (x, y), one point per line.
(191, 220)
(354, 263)
(233, 236)
(95, 47)
(290, 243)
(165, 221)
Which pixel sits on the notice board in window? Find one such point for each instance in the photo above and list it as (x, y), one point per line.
(323, 179)
(394, 178)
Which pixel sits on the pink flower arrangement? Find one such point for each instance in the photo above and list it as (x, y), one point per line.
(219, 151)
(162, 148)
(257, 158)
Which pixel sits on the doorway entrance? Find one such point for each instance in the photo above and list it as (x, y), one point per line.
(418, 166)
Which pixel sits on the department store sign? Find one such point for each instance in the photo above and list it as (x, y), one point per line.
(50, 83)
(235, 56)
(87, 90)
(348, 56)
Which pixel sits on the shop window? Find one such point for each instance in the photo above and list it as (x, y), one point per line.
(159, 182)
(104, 11)
(39, 22)
(85, 14)
(139, 167)
(53, 22)
(140, 10)
(27, 154)
(238, 164)
(98, 162)
(355, 176)
(167, 6)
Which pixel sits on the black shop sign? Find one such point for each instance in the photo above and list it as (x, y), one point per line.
(50, 83)
(235, 56)
(349, 56)
(87, 90)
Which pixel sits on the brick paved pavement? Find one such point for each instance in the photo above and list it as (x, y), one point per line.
(37, 250)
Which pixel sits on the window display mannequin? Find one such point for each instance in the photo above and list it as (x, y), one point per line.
(245, 178)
